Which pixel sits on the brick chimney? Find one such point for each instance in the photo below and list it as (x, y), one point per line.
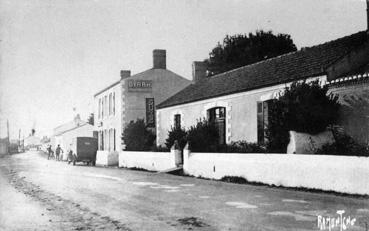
(198, 71)
(125, 74)
(159, 59)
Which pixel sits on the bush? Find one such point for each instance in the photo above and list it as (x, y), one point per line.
(203, 137)
(242, 147)
(178, 134)
(303, 107)
(343, 145)
(160, 149)
(137, 137)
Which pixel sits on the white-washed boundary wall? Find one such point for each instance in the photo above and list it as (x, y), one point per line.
(344, 174)
(152, 161)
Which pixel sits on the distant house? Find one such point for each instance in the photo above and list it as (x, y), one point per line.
(4, 145)
(237, 100)
(64, 134)
(32, 141)
(133, 97)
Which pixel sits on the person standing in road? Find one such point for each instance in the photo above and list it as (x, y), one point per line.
(57, 152)
(49, 151)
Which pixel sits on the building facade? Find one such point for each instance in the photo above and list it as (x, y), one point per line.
(237, 100)
(133, 97)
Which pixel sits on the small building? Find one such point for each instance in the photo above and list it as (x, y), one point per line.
(133, 97)
(32, 142)
(237, 100)
(65, 133)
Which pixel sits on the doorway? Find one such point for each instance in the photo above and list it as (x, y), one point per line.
(217, 115)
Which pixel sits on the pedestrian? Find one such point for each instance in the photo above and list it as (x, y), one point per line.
(49, 151)
(57, 152)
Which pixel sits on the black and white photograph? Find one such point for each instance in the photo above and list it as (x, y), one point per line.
(189, 115)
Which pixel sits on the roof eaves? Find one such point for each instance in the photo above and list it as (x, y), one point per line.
(162, 105)
(106, 88)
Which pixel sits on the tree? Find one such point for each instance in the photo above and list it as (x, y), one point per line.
(91, 119)
(137, 137)
(303, 107)
(240, 50)
(203, 137)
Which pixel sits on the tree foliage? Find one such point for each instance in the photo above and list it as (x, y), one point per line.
(137, 137)
(303, 107)
(203, 137)
(242, 49)
(178, 134)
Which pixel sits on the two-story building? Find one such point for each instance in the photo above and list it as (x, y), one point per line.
(132, 97)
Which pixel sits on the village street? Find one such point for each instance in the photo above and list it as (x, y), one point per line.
(41, 194)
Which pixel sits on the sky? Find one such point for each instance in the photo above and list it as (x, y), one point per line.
(55, 55)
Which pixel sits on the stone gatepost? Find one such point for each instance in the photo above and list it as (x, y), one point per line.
(186, 156)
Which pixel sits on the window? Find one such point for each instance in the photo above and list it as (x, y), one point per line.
(102, 108)
(113, 103)
(263, 108)
(110, 102)
(109, 139)
(105, 139)
(99, 110)
(177, 121)
(101, 140)
(106, 105)
(217, 116)
(114, 139)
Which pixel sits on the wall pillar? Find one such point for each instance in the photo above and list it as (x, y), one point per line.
(186, 156)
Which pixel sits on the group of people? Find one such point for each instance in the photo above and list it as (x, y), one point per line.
(58, 153)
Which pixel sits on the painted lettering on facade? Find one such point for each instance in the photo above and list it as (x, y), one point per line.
(150, 112)
(139, 85)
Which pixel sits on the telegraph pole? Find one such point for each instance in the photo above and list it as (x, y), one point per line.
(367, 15)
(8, 143)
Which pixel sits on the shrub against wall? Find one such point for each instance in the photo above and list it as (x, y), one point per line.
(178, 134)
(343, 145)
(243, 146)
(137, 137)
(303, 107)
(203, 137)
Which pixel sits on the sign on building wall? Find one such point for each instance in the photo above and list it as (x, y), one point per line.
(150, 112)
(139, 85)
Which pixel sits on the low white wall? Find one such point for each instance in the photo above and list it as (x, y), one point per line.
(106, 158)
(152, 161)
(344, 174)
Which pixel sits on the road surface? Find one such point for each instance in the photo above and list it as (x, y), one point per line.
(41, 194)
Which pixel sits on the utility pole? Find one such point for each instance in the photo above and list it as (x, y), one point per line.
(367, 15)
(8, 143)
(19, 140)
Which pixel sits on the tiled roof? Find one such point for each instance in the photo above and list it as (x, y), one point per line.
(307, 62)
